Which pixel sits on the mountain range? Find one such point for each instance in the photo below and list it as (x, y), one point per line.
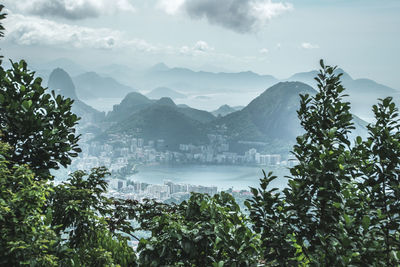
(135, 102)
(61, 83)
(189, 81)
(363, 93)
(268, 123)
(92, 85)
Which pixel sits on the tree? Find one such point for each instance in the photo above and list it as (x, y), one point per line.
(204, 231)
(268, 213)
(26, 235)
(38, 126)
(79, 210)
(380, 174)
(314, 196)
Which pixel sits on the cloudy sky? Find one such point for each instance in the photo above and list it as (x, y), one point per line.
(265, 36)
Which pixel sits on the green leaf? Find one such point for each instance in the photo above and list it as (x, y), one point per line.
(359, 139)
(366, 221)
(26, 104)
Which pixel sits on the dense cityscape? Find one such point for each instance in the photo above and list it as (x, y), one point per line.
(122, 154)
(122, 151)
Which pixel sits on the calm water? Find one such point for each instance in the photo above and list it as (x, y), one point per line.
(208, 102)
(224, 177)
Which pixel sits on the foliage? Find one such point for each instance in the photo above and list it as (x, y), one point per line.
(314, 196)
(38, 126)
(342, 204)
(79, 209)
(201, 232)
(26, 238)
(380, 173)
(268, 214)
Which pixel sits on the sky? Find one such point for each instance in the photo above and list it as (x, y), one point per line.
(265, 36)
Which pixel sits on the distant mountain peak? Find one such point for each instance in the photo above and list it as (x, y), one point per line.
(135, 96)
(159, 67)
(92, 85)
(166, 101)
(90, 74)
(223, 110)
(160, 92)
(61, 82)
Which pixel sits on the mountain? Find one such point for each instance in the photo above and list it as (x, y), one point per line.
(132, 103)
(271, 119)
(162, 121)
(308, 77)
(160, 92)
(62, 84)
(166, 101)
(197, 114)
(269, 123)
(159, 67)
(363, 93)
(92, 85)
(223, 110)
(270, 116)
(237, 108)
(135, 102)
(187, 80)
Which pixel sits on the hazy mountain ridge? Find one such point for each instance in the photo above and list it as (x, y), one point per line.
(160, 92)
(223, 110)
(363, 93)
(272, 115)
(61, 82)
(165, 122)
(271, 118)
(132, 103)
(135, 102)
(92, 85)
(187, 80)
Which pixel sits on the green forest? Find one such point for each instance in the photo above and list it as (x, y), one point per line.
(341, 206)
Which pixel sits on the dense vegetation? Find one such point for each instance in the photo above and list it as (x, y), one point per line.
(341, 207)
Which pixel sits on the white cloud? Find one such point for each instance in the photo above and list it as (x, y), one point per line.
(264, 51)
(33, 31)
(237, 15)
(264, 11)
(170, 6)
(199, 48)
(29, 30)
(202, 46)
(69, 9)
(309, 46)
